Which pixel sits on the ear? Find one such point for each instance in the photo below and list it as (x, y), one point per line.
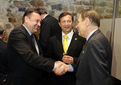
(3, 32)
(59, 24)
(3, 35)
(87, 22)
(26, 18)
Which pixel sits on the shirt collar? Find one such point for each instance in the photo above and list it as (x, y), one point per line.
(69, 34)
(45, 15)
(27, 29)
(90, 34)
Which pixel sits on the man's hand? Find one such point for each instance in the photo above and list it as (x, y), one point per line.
(68, 59)
(4, 80)
(61, 68)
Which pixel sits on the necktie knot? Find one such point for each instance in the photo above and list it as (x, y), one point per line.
(32, 35)
(65, 36)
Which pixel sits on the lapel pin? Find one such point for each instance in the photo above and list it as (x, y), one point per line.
(75, 38)
(83, 52)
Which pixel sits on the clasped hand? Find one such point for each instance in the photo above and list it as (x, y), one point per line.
(61, 68)
(68, 59)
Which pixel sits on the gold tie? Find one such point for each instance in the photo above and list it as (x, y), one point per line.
(65, 44)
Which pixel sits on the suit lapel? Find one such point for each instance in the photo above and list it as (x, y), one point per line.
(83, 50)
(73, 42)
(40, 50)
(59, 43)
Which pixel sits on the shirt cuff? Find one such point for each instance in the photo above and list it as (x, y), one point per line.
(71, 68)
(54, 66)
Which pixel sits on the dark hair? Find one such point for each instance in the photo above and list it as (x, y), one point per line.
(1, 30)
(92, 15)
(64, 14)
(28, 12)
(40, 10)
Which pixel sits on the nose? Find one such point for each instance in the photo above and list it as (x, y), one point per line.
(66, 23)
(39, 23)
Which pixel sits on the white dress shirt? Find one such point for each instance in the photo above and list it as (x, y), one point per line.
(70, 35)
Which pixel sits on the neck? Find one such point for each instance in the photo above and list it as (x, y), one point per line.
(43, 15)
(90, 29)
(27, 27)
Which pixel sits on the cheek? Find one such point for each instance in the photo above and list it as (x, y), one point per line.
(61, 25)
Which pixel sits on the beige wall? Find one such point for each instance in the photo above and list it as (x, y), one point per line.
(106, 29)
(116, 63)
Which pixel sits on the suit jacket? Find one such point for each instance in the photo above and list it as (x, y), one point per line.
(23, 61)
(94, 64)
(55, 51)
(49, 28)
(3, 61)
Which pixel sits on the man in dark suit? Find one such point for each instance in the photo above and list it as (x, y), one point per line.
(25, 57)
(3, 57)
(94, 63)
(56, 50)
(49, 27)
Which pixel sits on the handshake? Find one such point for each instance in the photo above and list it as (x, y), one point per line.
(61, 68)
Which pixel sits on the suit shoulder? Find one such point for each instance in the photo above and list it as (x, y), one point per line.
(17, 29)
(3, 45)
(50, 19)
(18, 32)
(100, 37)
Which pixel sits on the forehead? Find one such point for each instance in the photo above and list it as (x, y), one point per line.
(35, 15)
(66, 17)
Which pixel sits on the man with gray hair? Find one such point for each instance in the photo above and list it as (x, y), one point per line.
(3, 57)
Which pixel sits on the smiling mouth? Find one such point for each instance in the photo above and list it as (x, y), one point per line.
(37, 27)
(66, 27)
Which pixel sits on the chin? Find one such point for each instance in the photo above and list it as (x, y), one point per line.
(35, 31)
(80, 34)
